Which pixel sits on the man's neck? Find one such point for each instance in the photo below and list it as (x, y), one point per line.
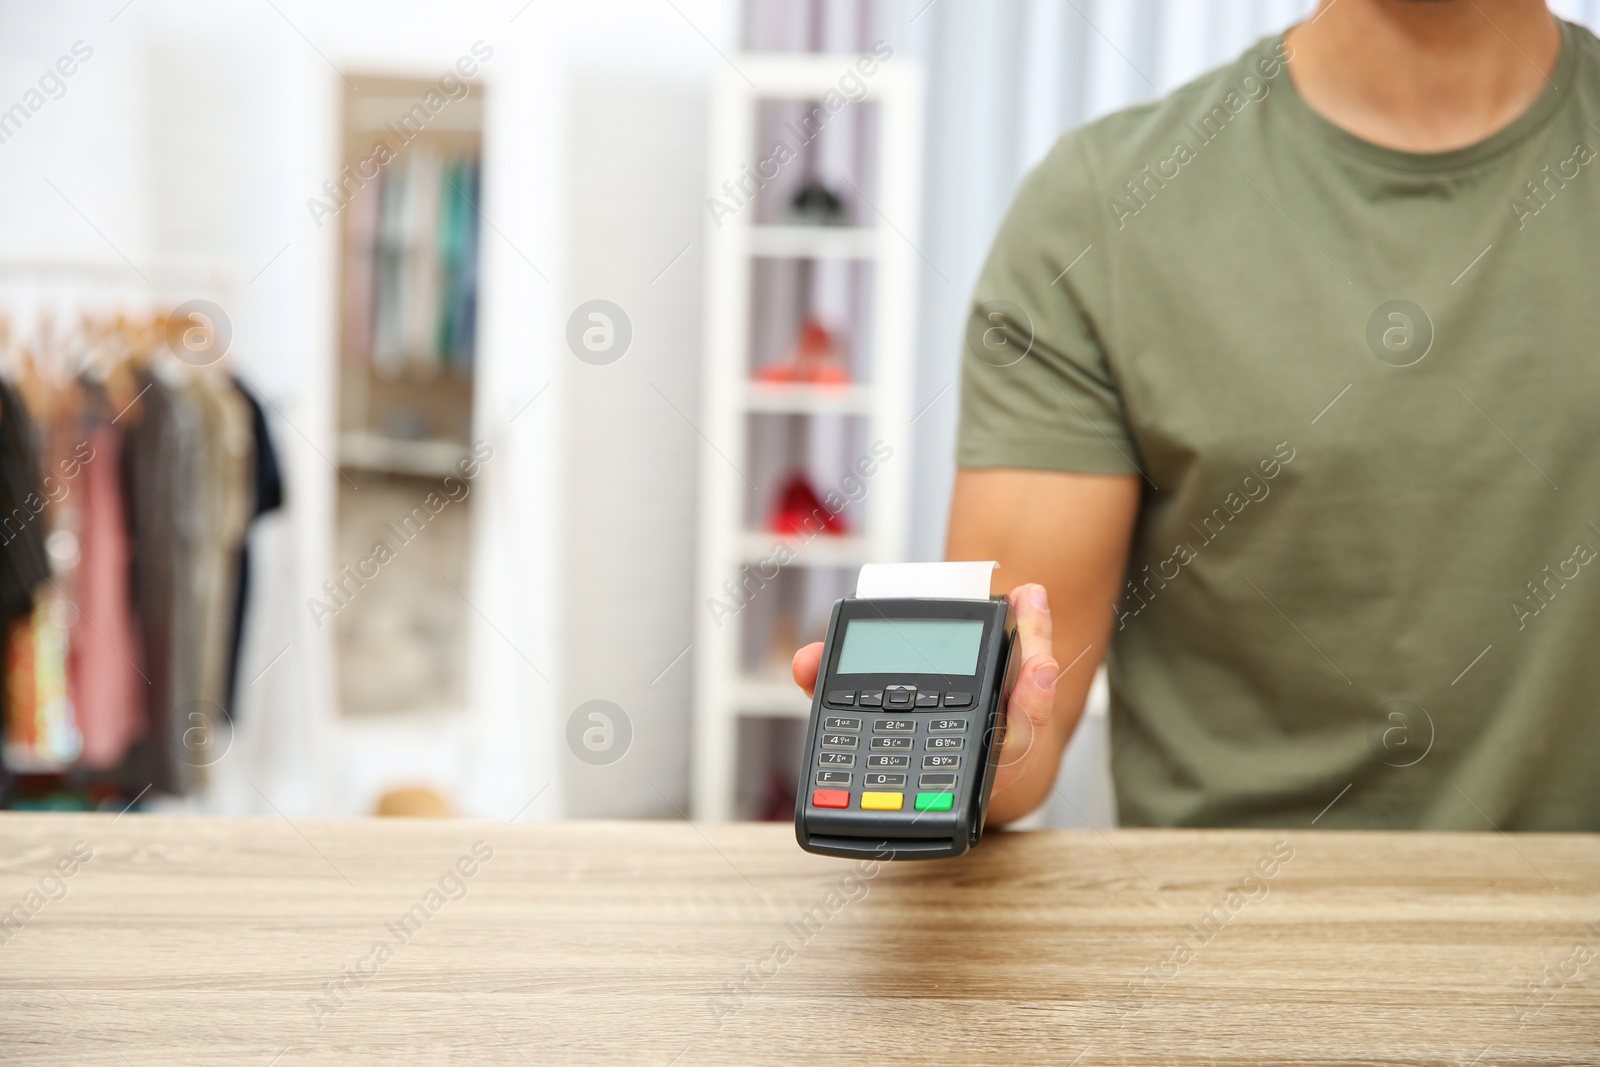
(1424, 75)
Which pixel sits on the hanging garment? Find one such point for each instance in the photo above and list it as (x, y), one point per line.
(464, 297)
(362, 219)
(158, 446)
(42, 734)
(222, 498)
(105, 676)
(268, 496)
(23, 564)
(186, 466)
(452, 234)
(421, 286)
(388, 330)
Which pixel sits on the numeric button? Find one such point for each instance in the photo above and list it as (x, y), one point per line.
(942, 726)
(838, 741)
(890, 744)
(872, 781)
(839, 722)
(945, 744)
(941, 763)
(879, 760)
(837, 759)
(894, 726)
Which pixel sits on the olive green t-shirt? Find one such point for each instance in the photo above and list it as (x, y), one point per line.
(1361, 388)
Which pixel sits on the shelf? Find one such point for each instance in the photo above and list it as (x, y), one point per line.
(823, 550)
(758, 287)
(375, 452)
(764, 695)
(802, 399)
(814, 242)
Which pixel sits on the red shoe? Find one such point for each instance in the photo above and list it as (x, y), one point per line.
(800, 512)
(817, 360)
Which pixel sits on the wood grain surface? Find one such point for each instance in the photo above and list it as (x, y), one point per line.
(209, 941)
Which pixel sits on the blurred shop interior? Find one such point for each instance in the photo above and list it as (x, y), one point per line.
(426, 408)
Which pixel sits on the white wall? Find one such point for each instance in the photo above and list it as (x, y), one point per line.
(635, 233)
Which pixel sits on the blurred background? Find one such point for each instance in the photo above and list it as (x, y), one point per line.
(468, 408)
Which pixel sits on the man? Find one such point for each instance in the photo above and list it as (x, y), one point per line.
(1283, 388)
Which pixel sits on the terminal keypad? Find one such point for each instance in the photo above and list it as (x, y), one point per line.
(896, 746)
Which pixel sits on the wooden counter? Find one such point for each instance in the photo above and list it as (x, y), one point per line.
(264, 942)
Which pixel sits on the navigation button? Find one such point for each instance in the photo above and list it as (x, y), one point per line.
(873, 699)
(841, 698)
(899, 696)
(927, 700)
(957, 700)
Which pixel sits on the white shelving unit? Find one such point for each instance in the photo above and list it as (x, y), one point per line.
(881, 237)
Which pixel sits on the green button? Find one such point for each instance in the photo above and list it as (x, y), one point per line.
(935, 801)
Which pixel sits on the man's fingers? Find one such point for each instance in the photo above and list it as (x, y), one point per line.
(806, 664)
(1031, 606)
(1027, 715)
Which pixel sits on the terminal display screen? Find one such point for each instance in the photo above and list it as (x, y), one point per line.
(911, 646)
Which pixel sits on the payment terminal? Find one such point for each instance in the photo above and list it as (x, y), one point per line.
(908, 713)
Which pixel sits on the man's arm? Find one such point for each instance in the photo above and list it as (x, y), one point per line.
(1068, 533)
(1062, 542)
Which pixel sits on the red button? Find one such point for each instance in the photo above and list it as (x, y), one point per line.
(831, 798)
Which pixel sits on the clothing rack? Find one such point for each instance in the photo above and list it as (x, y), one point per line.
(130, 471)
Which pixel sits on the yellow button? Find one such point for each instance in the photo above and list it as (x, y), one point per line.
(882, 801)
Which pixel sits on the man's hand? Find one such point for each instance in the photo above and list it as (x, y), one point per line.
(1032, 700)
(1066, 532)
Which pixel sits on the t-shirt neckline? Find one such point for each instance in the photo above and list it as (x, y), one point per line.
(1549, 101)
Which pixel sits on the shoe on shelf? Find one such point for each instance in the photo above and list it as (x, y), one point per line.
(814, 204)
(801, 512)
(817, 360)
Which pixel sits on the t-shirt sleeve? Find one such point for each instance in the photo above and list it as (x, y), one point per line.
(1037, 388)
